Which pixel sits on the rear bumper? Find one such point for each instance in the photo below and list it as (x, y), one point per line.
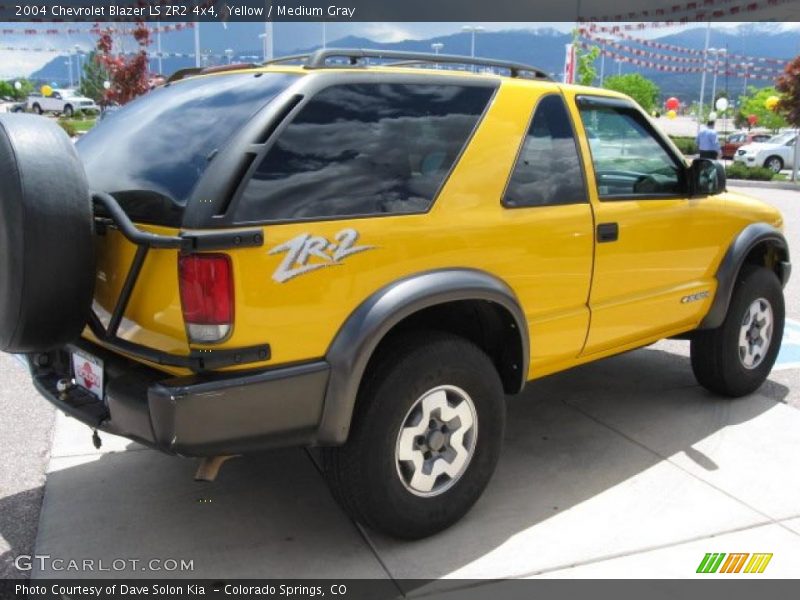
(201, 415)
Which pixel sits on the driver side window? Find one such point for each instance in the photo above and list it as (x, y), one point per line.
(629, 161)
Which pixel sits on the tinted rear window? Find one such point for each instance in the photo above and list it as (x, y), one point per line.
(151, 153)
(364, 149)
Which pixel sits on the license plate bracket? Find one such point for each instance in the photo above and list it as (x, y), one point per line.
(88, 372)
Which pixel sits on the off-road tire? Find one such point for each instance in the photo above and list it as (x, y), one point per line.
(716, 360)
(47, 262)
(363, 474)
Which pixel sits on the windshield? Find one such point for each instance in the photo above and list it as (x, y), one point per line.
(781, 138)
(153, 151)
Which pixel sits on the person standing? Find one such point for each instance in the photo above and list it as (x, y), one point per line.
(708, 142)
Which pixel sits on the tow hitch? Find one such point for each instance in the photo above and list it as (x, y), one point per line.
(209, 467)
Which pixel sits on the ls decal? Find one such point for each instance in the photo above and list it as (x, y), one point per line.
(301, 249)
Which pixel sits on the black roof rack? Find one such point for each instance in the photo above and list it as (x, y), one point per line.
(319, 60)
(189, 71)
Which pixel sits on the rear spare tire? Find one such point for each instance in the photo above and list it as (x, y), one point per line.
(47, 267)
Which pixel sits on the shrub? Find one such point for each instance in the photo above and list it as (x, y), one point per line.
(740, 171)
(68, 127)
(685, 144)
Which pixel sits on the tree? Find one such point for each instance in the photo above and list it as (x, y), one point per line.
(754, 103)
(127, 76)
(789, 104)
(585, 71)
(94, 76)
(789, 86)
(9, 89)
(640, 88)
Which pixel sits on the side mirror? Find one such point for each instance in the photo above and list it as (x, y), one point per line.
(706, 177)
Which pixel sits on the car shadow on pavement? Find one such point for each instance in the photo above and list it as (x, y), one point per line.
(16, 529)
(585, 470)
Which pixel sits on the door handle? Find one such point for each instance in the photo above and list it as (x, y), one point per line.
(607, 232)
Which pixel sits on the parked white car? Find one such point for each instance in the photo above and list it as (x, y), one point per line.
(65, 101)
(10, 105)
(776, 153)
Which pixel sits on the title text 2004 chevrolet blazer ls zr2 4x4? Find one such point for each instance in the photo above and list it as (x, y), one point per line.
(367, 258)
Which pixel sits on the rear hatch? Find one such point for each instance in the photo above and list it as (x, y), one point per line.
(150, 156)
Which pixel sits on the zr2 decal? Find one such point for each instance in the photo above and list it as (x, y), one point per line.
(301, 249)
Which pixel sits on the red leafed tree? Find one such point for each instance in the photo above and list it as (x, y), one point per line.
(788, 85)
(128, 75)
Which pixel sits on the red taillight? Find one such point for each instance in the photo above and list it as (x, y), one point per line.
(206, 284)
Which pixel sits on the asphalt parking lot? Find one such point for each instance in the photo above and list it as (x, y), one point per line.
(621, 468)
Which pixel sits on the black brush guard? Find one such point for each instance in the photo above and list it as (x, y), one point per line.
(197, 360)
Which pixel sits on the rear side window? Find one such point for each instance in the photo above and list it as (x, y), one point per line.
(151, 153)
(364, 149)
(548, 170)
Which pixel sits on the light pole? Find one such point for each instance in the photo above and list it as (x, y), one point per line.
(269, 41)
(68, 62)
(229, 55)
(78, 63)
(437, 47)
(324, 35)
(263, 37)
(472, 29)
(746, 75)
(602, 67)
(717, 52)
(197, 57)
(703, 78)
(158, 48)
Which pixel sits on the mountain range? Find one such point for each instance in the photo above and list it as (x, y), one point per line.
(543, 47)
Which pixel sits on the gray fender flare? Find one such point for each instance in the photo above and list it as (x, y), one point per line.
(750, 237)
(364, 329)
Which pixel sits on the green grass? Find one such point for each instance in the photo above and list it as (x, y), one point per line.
(82, 125)
(77, 124)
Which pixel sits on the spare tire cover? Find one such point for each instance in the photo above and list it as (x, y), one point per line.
(47, 266)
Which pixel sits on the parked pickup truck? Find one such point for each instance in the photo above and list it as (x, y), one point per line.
(367, 259)
(66, 102)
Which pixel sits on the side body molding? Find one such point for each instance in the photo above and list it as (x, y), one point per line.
(750, 237)
(360, 335)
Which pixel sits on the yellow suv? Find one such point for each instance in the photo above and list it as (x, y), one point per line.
(365, 252)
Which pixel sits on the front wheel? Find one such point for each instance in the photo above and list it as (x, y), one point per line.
(737, 357)
(68, 111)
(425, 439)
(37, 109)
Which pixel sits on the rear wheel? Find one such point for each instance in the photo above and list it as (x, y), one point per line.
(737, 357)
(774, 164)
(426, 436)
(37, 109)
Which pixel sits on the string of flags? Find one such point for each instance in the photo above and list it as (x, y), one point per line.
(616, 31)
(696, 10)
(711, 64)
(149, 54)
(95, 29)
(648, 64)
